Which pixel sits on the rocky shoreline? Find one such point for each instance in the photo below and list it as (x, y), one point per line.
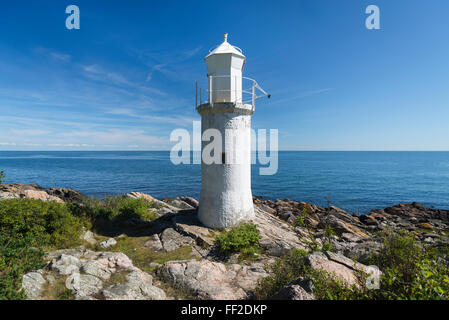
(98, 270)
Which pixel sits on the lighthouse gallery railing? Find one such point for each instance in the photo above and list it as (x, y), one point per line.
(247, 94)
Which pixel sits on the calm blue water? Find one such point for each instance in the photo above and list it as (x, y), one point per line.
(354, 181)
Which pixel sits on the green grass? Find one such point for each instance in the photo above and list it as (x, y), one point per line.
(57, 290)
(116, 278)
(142, 256)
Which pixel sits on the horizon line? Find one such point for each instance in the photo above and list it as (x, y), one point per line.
(152, 150)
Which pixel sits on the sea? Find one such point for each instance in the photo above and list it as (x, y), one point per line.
(356, 181)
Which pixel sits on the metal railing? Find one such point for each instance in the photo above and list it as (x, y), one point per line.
(245, 90)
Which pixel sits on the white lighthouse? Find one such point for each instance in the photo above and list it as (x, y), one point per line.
(226, 197)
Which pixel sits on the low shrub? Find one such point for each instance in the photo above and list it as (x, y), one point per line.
(410, 271)
(287, 268)
(115, 208)
(16, 258)
(293, 266)
(43, 223)
(243, 239)
(27, 225)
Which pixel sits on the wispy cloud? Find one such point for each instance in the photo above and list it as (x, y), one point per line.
(90, 105)
(55, 55)
(97, 73)
(165, 62)
(175, 119)
(30, 132)
(156, 67)
(301, 95)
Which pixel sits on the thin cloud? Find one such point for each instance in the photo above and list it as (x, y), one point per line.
(157, 67)
(97, 73)
(55, 55)
(303, 95)
(30, 132)
(163, 63)
(176, 120)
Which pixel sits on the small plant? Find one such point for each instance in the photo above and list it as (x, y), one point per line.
(243, 239)
(299, 222)
(2, 176)
(300, 219)
(312, 245)
(327, 246)
(249, 253)
(328, 201)
(329, 232)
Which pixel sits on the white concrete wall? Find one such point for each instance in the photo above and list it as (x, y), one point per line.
(226, 197)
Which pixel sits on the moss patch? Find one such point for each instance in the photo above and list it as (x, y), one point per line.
(116, 278)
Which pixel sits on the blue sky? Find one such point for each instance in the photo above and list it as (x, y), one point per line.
(125, 80)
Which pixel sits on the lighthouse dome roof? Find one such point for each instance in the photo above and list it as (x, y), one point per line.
(226, 48)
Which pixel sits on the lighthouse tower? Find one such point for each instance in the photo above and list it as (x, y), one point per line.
(226, 197)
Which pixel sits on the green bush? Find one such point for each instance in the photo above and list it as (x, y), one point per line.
(410, 271)
(329, 287)
(2, 176)
(44, 223)
(293, 266)
(287, 268)
(27, 225)
(242, 239)
(115, 208)
(16, 258)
